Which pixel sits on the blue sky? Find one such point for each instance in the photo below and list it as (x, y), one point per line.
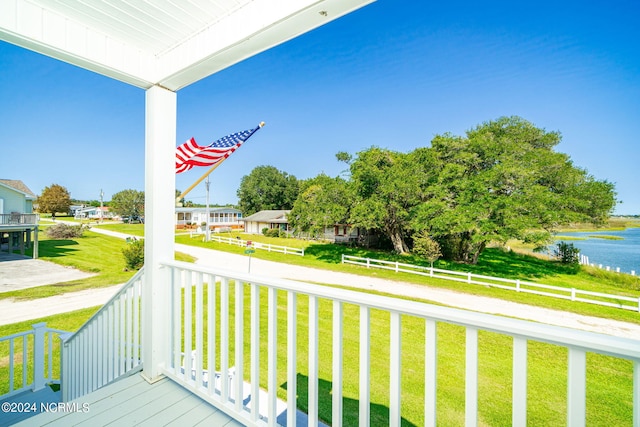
(393, 74)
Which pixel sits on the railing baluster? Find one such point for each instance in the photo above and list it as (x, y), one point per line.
(239, 345)
(224, 339)
(430, 372)
(471, 378)
(272, 356)
(211, 333)
(636, 392)
(11, 369)
(136, 322)
(519, 416)
(313, 361)
(365, 361)
(576, 394)
(199, 362)
(121, 337)
(129, 329)
(395, 372)
(255, 351)
(336, 386)
(188, 319)
(176, 302)
(292, 364)
(25, 364)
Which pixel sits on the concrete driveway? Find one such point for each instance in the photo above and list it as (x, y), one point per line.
(21, 272)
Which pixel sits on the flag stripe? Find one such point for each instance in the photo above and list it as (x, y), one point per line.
(190, 154)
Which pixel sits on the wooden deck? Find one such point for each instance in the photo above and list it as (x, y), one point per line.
(133, 401)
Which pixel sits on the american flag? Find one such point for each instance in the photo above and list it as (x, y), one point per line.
(191, 154)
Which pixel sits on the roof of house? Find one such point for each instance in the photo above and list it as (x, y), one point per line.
(18, 185)
(274, 216)
(211, 209)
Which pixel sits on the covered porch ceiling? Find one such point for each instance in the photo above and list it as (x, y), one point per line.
(167, 43)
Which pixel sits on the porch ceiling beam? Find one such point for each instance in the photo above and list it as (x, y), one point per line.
(250, 29)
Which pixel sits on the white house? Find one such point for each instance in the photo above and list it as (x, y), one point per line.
(266, 219)
(18, 223)
(219, 217)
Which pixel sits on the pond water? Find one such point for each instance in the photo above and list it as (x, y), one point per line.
(623, 254)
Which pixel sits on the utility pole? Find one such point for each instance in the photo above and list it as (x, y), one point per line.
(207, 235)
(101, 204)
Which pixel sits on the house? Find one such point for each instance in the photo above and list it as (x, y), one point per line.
(151, 355)
(220, 218)
(266, 219)
(18, 223)
(92, 212)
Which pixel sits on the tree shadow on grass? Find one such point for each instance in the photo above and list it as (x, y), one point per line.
(379, 414)
(495, 262)
(501, 263)
(56, 247)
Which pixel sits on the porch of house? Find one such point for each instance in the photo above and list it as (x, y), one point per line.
(285, 360)
(19, 232)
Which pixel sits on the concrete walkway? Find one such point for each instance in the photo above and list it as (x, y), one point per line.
(211, 258)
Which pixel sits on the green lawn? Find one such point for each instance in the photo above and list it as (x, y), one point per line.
(93, 253)
(493, 262)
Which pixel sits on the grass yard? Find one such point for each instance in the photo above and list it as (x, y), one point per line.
(93, 253)
(493, 262)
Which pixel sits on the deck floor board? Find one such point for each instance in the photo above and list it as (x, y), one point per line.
(133, 401)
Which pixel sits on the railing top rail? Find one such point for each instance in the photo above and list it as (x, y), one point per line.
(122, 290)
(567, 337)
(30, 332)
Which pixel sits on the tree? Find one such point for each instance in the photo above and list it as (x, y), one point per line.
(322, 202)
(129, 203)
(426, 247)
(54, 199)
(502, 181)
(266, 188)
(386, 187)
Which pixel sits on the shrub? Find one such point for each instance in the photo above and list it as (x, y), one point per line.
(566, 253)
(426, 247)
(265, 231)
(65, 231)
(134, 255)
(274, 232)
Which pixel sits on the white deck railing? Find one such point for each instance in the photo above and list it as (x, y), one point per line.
(571, 294)
(30, 355)
(106, 347)
(18, 219)
(204, 303)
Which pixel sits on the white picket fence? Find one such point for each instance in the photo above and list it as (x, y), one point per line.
(584, 260)
(36, 346)
(259, 245)
(573, 294)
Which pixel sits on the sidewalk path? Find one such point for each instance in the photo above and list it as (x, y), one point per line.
(212, 258)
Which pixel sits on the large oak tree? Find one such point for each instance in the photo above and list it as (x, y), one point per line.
(502, 181)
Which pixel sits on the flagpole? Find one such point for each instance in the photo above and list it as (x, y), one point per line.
(184, 193)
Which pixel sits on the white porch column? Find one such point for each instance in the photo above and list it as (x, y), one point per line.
(160, 137)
